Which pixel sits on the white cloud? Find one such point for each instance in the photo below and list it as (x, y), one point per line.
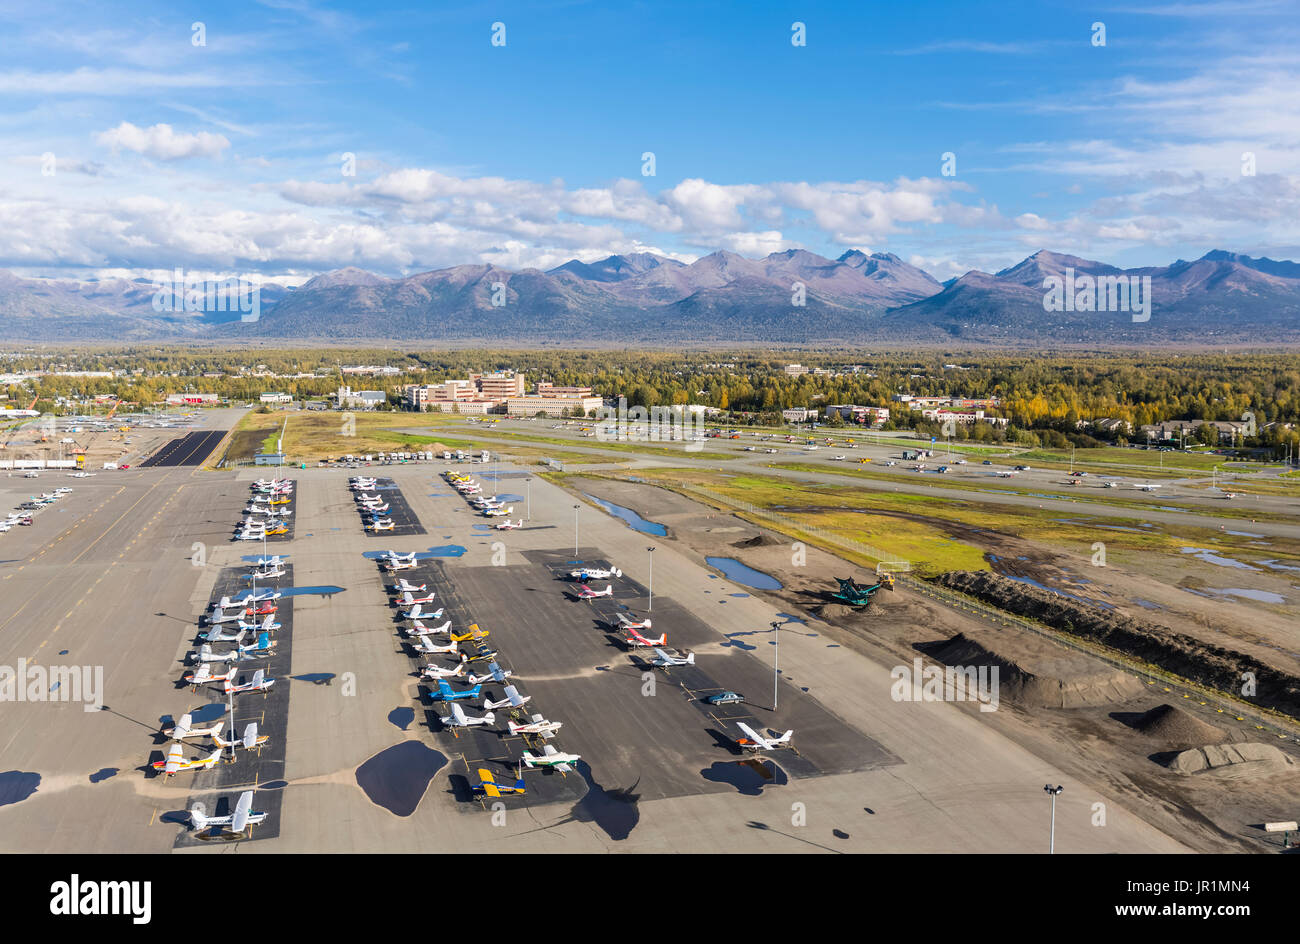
(161, 142)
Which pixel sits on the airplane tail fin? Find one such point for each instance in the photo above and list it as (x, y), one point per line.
(489, 717)
(690, 658)
(618, 573)
(199, 816)
(785, 737)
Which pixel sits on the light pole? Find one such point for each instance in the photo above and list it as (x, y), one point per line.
(528, 498)
(651, 605)
(1053, 792)
(776, 663)
(575, 531)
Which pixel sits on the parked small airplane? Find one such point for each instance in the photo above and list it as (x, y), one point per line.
(427, 646)
(380, 524)
(418, 612)
(266, 573)
(405, 586)
(595, 573)
(250, 740)
(233, 825)
(1146, 486)
(175, 761)
(435, 672)
(550, 757)
(257, 596)
(753, 741)
(183, 729)
(664, 661)
(273, 561)
(446, 693)
(258, 683)
(489, 785)
(216, 635)
(586, 593)
(512, 700)
(539, 726)
(636, 639)
(509, 525)
(420, 629)
(494, 674)
(205, 674)
(410, 599)
(267, 625)
(498, 512)
(473, 633)
(1006, 473)
(458, 718)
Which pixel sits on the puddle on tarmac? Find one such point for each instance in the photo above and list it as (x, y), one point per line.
(17, 785)
(396, 778)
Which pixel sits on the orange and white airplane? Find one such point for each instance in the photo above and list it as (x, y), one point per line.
(539, 726)
(636, 639)
(176, 761)
(586, 593)
(205, 674)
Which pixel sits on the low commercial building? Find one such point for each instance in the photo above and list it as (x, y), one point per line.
(864, 415)
(551, 405)
(347, 399)
(272, 397)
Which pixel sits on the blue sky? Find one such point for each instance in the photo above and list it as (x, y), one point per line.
(229, 157)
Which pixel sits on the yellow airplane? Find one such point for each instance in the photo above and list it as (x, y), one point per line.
(472, 633)
(489, 785)
(278, 529)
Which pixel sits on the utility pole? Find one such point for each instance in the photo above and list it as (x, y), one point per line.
(651, 605)
(776, 664)
(575, 531)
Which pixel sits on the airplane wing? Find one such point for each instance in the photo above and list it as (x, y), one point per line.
(751, 733)
(663, 656)
(239, 821)
(250, 735)
(258, 677)
(549, 750)
(458, 713)
(513, 694)
(182, 727)
(489, 784)
(174, 757)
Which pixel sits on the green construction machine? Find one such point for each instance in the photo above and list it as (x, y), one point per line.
(854, 594)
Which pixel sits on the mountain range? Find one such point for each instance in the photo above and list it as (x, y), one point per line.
(722, 298)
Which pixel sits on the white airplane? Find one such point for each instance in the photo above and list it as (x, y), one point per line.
(1007, 473)
(184, 728)
(267, 625)
(420, 629)
(509, 525)
(273, 561)
(1109, 484)
(1146, 487)
(392, 557)
(458, 718)
(258, 683)
(250, 740)
(175, 761)
(419, 612)
(1229, 495)
(216, 635)
(586, 593)
(220, 616)
(232, 825)
(266, 573)
(363, 498)
(270, 483)
(362, 481)
(205, 654)
(494, 674)
(595, 573)
(499, 512)
(512, 700)
(753, 741)
(625, 623)
(258, 596)
(539, 726)
(249, 534)
(205, 674)
(410, 599)
(436, 672)
(550, 757)
(381, 524)
(484, 502)
(427, 646)
(664, 661)
(405, 586)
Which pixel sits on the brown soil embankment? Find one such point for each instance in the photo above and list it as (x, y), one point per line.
(1193, 659)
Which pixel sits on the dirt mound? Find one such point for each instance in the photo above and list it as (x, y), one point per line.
(1176, 727)
(834, 611)
(1040, 676)
(1232, 761)
(1185, 655)
(758, 540)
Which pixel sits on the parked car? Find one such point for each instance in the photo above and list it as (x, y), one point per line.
(726, 698)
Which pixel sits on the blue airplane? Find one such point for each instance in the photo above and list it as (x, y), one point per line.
(446, 693)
